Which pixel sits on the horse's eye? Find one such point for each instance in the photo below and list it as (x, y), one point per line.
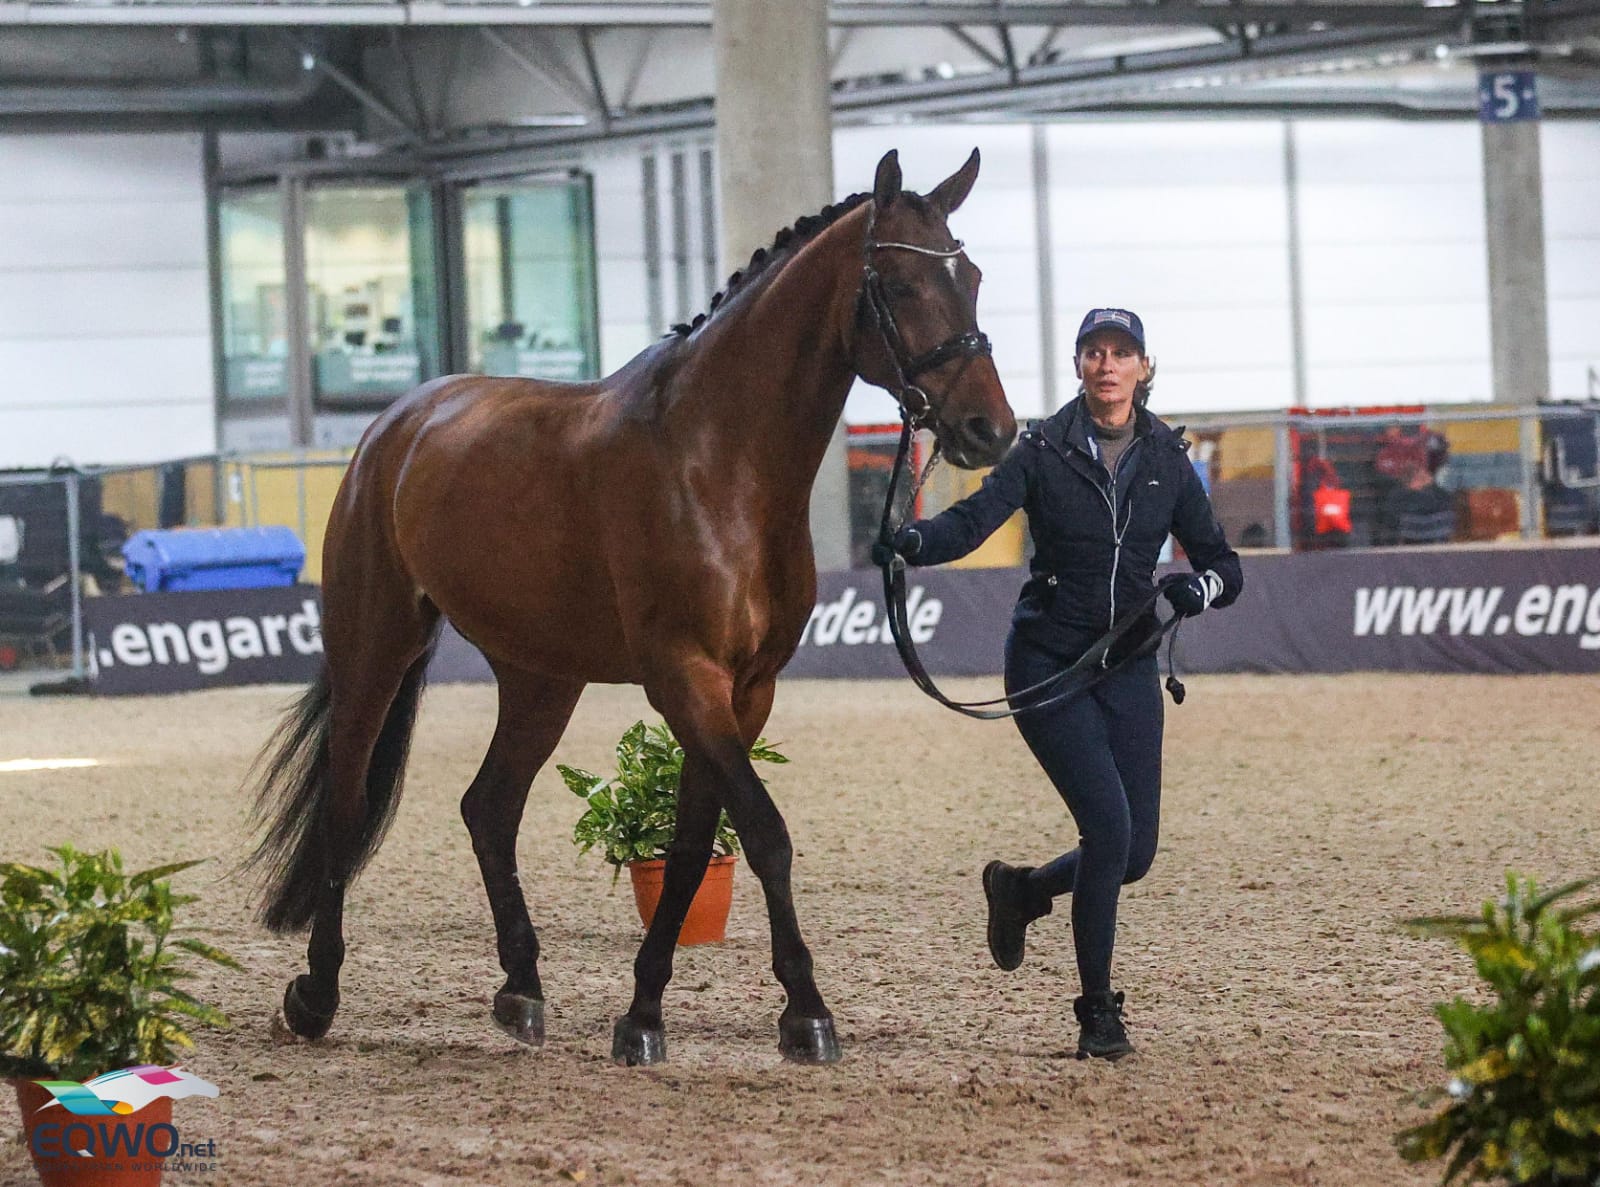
(900, 288)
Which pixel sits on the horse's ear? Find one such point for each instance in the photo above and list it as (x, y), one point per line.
(886, 186)
(953, 190)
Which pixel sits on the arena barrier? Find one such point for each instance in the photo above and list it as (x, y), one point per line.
(1499, 610)
(1490, 610)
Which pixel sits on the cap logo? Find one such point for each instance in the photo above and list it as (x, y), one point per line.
(1113, 315)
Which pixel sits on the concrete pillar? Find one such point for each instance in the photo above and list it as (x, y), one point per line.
(775, 164)
(1518, 328)
(1519, 331)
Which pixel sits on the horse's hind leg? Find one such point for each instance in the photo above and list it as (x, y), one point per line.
(533, 713)
(379, 636)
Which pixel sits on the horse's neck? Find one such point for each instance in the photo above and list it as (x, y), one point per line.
(770, 381)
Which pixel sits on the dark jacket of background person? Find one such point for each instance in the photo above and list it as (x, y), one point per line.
(1422, 515)
(1096, 542)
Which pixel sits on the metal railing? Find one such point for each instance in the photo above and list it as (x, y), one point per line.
(1410, 477)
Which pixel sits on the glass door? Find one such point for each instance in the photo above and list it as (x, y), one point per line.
(530, 286)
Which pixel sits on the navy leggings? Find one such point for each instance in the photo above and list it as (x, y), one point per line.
(1102, 750)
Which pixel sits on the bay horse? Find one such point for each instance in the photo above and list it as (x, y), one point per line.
(649, 528)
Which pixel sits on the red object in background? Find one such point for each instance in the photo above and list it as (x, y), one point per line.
(1309, 445)
(8, 657)
(1332, 505)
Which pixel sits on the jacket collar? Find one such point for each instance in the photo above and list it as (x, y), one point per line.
(1068, 428)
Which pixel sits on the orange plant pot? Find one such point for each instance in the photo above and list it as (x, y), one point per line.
(132, 1164)
(707, 921)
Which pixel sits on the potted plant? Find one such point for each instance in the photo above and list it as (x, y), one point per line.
(89, 991)
(631, 816)
(1524, 1060)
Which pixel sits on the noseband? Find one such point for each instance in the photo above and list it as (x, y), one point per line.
(972, 344)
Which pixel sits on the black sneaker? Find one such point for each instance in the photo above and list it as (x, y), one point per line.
(1102, 1034)
(1013, 904)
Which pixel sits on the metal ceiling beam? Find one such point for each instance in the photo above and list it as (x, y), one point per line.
(196, 98)
(317, 60)
(1098, 13)
(1062, 86)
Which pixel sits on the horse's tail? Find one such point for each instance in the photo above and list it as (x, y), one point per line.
(294, 793)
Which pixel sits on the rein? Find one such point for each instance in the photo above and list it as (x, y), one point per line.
(1084, 673)
(1091, 667)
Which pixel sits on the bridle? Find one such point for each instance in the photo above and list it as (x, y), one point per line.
(1092, 666)
(971, 344)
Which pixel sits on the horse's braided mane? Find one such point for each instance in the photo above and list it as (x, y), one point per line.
(786, 240)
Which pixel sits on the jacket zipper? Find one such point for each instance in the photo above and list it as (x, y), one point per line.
(1110, 496)
(1116, 536)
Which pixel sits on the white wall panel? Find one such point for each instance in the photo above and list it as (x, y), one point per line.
(1574, 346)
(1394, 262)
(108, 302)
(1245, 276)
(146, 232)
(104, 299)
(1361, 273)
(1433, 382)
(621, 279)
(868, 405)
(54, 168)
(104, 372)
(1571, 168)
(1186, 223)
(147, 432)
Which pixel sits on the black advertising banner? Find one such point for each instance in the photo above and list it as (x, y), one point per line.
(1490, 610)
(177, 642)
(958, 620)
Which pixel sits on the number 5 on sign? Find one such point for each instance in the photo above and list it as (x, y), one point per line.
(1507, 95)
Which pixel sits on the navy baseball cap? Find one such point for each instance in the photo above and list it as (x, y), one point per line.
(1112, 319)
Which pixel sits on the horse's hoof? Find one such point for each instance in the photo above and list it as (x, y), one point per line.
(520, 1017)
(301, 1016)
(636, 1046)
(808, 1040)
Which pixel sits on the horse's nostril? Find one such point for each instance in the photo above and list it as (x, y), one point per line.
(982, 430)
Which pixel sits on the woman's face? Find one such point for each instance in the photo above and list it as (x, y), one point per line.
(1111, 366)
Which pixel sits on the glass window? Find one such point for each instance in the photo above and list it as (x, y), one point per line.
(530, 279)
(255, 336)
(369, 280)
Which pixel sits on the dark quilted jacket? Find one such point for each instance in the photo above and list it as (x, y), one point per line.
(1096, 542)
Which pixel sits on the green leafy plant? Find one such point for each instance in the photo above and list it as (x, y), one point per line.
(89, 970)
(631, 815)
(1525, 1093)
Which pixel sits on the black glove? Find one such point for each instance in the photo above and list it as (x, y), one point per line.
(1194, 593)
(906, 542)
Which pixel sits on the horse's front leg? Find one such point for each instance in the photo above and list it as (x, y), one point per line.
(639, 1035)
(699, 706)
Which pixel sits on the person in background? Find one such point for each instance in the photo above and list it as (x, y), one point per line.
(1103, 482)
(1418, 509)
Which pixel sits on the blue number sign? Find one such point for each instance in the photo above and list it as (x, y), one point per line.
(1507, 95)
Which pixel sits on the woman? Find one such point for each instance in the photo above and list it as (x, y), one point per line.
(1103, 483)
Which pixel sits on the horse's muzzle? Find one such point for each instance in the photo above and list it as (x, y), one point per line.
(980, 441)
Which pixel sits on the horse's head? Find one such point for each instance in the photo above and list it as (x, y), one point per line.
(919, 322)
